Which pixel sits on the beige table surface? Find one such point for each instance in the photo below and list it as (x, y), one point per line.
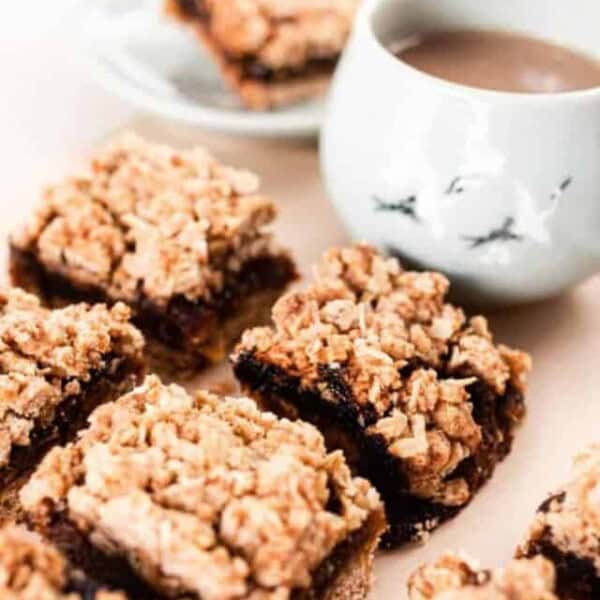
(50, 118)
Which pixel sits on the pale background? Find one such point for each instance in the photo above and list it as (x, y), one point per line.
(52, 115)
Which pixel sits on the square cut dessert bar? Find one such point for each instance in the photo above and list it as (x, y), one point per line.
(32, 569)
(271, 52)
(454, 577)
(166, 495)
(179, 237)
(420, 399)
(56, 366)
(566, 530)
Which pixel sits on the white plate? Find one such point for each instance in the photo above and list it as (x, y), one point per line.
(137, 53)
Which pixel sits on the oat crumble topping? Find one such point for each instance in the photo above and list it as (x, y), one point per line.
(151, 222)
(281, 33)
(46, 355)
(367, 319)
(572, 519)
(455, 577)
(229, 502)
(31, 569)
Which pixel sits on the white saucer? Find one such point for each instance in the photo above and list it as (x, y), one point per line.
(135, 52)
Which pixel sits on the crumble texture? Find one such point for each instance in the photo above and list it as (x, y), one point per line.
(148, 222)
(367, 319)
(280, 34)
(31, 569)
(47, 355)
(204, 496)
(572, 518)
(454, 577)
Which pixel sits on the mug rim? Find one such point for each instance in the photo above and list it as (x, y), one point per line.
(467, 90)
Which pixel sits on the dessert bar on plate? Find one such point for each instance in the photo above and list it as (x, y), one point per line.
(455, 577)
(166, 495)
(179, 237)
(56, 366)
(271, 52)
(566, 530)
(32, 569)
(420, 398)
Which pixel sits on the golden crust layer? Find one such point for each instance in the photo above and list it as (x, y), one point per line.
(204, 496)
(454, 577)
(571, 520)
(47, 355)
(368, 319)
(31, 569)
(151, 222)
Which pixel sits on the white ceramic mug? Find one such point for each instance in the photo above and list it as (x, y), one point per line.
(499, 190)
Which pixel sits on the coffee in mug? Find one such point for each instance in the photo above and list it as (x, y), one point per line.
(501, 61)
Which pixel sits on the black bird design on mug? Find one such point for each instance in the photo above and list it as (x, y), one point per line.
(504, 233)
(405, 206)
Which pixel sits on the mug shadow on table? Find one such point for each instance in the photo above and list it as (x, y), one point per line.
(540, 323)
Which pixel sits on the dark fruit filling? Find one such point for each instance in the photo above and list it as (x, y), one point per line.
(183, 325)
(344, 425)
(115, 572)
(120, 375)
(315, 67)
(576, 577)
(250, 67)
(96, 565)
(338, 560)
